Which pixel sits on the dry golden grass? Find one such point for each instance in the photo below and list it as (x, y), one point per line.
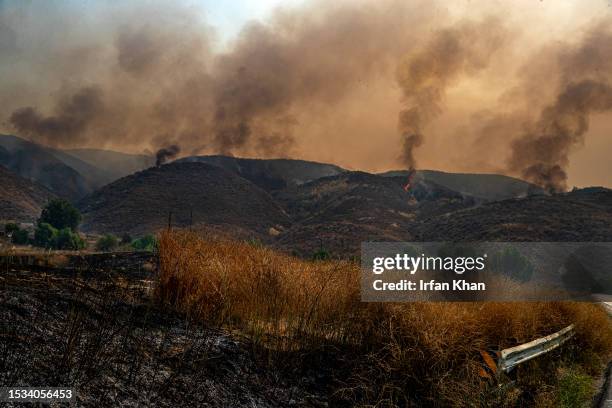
(402, 354)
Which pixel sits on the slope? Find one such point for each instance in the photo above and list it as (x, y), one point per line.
(20, 200)
(195, 193)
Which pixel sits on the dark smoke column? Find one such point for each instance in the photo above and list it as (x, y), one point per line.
(425, 75)
(74, 113)
(542, 154)
(584, 74)
(166, 153)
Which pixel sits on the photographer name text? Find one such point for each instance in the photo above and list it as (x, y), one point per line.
(429, 285)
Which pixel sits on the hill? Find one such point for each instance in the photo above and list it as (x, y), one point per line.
(581, 215)
(65, 175)
(208, 195)
(303, 206)
(74, 173)
(491, 187)
(339, 212)
(271, 174)
(71, 173)
(115, 164)
(20, 200)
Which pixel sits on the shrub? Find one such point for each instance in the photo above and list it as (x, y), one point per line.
(146, 243)
(20, 237)
(586, 269)
(60, 214)
(255, 242)
(10, 228)
(126, 239)
(107, 243)
(67, 239)
(45, 235)
(513, 264)
(575, 389)
(321, 255)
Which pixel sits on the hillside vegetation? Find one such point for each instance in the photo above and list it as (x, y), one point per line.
(195, 193)
(483, 186)
(271, 174)
(580, 216)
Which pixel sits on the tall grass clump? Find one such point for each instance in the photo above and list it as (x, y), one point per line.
(386, 354)
(269, 295)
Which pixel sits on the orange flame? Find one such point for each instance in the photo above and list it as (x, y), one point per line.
(408, 184)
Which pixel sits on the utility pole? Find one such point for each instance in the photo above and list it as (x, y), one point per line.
(169, 220)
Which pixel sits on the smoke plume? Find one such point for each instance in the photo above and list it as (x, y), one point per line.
(541, 154)
(70, 122)
(425, 75)
(166, 153)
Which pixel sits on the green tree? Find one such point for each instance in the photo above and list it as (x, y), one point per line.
(60, 214)
(45, 235)
(68, 239)
(321, 255)
(146, 243)
(10, 228)
(20, 237)
(107, 243)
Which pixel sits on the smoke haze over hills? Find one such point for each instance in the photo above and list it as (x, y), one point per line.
(389, 84)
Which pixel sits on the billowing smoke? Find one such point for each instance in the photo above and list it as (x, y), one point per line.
(131, 77)
(424, 75)
(306, 60)
(69, 123)
(144, 72)
(541, 154)
(166, 153)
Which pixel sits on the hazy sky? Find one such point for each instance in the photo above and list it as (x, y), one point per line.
(318, 80)
(230, 16)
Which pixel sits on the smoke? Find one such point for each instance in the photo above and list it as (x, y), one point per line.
(73, 114)
(144, 78)
(306, 82)
(301, 60)
(541, 153)
(164, 80)
(425, 75)
(166, 153)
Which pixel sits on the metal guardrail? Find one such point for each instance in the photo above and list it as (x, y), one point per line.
(511, 357)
